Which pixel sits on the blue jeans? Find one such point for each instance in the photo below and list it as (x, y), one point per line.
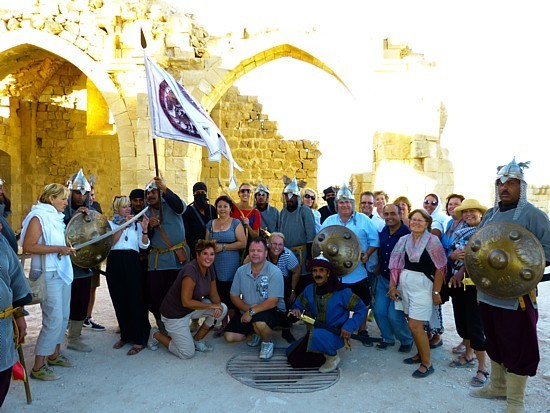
(391, 322)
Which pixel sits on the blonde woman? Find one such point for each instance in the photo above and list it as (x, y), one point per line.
(43, 236)
(309, 199)
(124, 277)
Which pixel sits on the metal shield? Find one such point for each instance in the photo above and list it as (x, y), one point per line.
(82, 228)
(340, 246)
(504, 260)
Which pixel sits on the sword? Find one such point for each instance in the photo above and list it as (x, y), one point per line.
(319, 324)
(111, 232)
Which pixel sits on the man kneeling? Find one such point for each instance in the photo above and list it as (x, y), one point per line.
(256, 290)
(329, 302)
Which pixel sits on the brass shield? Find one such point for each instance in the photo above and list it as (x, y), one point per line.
(82, 228)
(340, 246)
(504, 260)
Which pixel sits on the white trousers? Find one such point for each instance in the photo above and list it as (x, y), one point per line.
(55, 314)
(182, 343)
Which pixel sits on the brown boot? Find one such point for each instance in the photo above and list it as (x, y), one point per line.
(515, 393)
(496, 388)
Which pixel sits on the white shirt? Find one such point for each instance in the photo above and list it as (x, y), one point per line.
(130, 239)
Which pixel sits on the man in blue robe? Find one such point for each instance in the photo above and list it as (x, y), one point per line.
(327, 301)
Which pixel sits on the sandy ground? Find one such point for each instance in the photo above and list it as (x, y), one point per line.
(107, 380)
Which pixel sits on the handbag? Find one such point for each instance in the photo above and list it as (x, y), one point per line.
(38, 284)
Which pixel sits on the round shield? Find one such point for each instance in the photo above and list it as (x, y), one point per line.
(504, 260)
(340, 246)
(82, 228)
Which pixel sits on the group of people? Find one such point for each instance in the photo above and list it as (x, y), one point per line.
(244, 267)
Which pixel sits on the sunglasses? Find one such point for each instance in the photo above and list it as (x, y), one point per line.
(308, 196)
(370, 203)
(247, 191)
(426, 202)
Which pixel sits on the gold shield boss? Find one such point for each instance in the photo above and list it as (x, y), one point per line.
(82, 228)
(504, 260)
(340, 246)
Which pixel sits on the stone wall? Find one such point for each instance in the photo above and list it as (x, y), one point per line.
(258, 148)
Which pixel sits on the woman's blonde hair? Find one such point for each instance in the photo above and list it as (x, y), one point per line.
(119, 202)
(311, 190)
(53, 190)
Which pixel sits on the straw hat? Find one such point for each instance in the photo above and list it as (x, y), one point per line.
(469, 204)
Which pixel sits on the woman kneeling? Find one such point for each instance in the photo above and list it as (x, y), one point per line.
(193, 295)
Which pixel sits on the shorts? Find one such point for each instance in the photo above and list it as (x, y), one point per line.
(235, 325)
(416, 293)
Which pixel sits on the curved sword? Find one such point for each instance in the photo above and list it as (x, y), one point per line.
(111, 232)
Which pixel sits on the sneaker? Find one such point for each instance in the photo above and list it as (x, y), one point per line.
(45, 373)
(202, 346)
(405, 348)
(91, 325)
(254, 341)
(60, 360)
(384, 346)
(266, 352)
(153, 343)
(365, 334)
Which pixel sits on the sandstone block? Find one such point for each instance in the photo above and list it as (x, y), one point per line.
(424, 149)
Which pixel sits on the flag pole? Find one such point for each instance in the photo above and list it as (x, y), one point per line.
(155, 156)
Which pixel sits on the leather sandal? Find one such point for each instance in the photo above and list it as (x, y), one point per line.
(135, 350)
(477, 382)
(463, 361)
(119, 344)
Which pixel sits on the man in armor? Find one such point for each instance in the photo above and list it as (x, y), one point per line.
(81, 286)
(297, 224)
(270, 214)
(367, 233)
(511, 324)
(168, 248)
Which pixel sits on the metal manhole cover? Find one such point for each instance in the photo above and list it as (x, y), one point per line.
(277, 375)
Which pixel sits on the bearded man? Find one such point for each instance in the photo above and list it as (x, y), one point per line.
(197, 215)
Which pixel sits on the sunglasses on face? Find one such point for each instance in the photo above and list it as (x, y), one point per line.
(308, 196)
(366, 202)
(427, 202)
(245, 191)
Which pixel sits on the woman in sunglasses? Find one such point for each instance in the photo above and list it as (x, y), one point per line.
(309, 199)
(249, 216)
(432, 205)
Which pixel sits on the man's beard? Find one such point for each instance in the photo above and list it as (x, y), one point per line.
(331, 202)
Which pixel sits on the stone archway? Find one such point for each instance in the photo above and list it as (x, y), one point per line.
(259, 59)
(49, 128)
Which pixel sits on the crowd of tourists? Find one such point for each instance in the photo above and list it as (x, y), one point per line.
(241, 269)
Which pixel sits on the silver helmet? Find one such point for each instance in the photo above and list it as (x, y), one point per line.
(512, 170)
(292, 189)
(150, 186)
(345, 194)
(261, 189)
(78, 182)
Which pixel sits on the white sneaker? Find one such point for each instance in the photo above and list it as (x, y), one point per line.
(202, 346)
(331, 363)
(153, 343)
(254, 341)
(266, 351)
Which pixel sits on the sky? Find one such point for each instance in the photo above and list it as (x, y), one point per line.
(494, 77)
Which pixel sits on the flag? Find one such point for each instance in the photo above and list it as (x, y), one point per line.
(175, 114)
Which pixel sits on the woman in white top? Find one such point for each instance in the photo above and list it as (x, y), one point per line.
(124, 277)
(43, 236)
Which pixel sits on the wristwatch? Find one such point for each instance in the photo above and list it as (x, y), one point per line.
(436, 292)
(251, 312)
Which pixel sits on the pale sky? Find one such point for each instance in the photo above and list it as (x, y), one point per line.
(495, 78)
